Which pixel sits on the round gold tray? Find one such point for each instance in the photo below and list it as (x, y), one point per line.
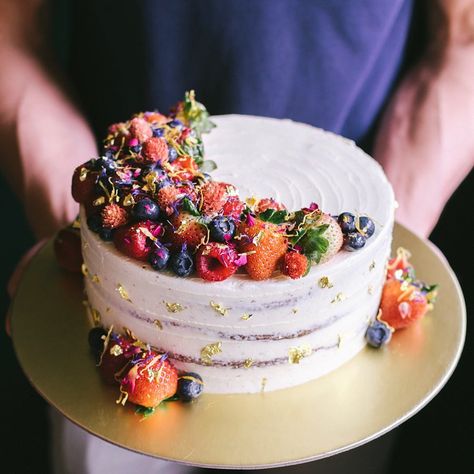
(370, 395)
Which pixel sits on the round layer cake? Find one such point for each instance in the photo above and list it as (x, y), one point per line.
(243, 335)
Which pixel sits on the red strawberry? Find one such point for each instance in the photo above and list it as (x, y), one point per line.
(402, 304)
(399, 266)
(155, 149)
(333, 234)
(214, 196)
(294, 265)
(216, 262)
(67, 248)
(113, 216)
(233, 207)
(140, 129)
(150, 381)
(268, 203)
(83, 185)
(184, 168)
(187, 229)
(135, 240)
(265, 245)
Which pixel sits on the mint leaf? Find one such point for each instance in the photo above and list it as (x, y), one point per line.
(314, 244)
(207, 166)
(189, 206)
(273, 216)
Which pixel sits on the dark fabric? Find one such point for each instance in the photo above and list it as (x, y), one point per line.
(327, 63)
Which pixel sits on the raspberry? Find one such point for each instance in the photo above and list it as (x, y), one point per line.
(83, 185)
(155, 149)
(294, 265)
(233, 207)
(214, 196)
(169, 197)
(113, 216)
(268, 203)
(186, 230)
(216, 262)
(67, 249)
(140, 129)
(134, 240)
(265, 245)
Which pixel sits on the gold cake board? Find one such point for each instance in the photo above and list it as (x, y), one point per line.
(365, 398)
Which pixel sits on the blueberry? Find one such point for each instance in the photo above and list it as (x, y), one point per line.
(94, 222)
(354, 241)
(222, 229)
(110, 154)
(172, 154)
(106, 234)
(182, 263)
(176, 124)
(346, 221)
(136, 148)
(108, 164)
(96, 343)
(189, 386)
(158, 132)
(366, 226)
(159, 257)
(378, 334)
(146, 209)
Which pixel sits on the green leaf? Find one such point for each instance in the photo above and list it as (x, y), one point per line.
(314, 244)
(189, 206)
(273, 216)
(196, 114)
(207, 166)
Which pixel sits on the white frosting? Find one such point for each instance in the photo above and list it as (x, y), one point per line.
(296, 164)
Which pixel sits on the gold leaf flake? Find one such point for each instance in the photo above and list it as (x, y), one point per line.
(76, 224)
(83, 174)
(257, 238)
(173, 307)
(372, 266)
(84, 270)
(218, 308)
(246, 316)
(95, 278)
(207, 352)
(158, 324)
(96, 318)
(123, 293)
(370, 290)
(99, 201)
(340, 339)
(128, 200)
(295, 310)
(338, 298)
(263, 384)
(145, 231)
(295, 354)
(324, 282)
(116, 350)
(248, 363)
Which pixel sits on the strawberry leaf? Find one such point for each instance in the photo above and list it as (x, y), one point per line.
(273, 216)
(314, 244)
(189, 206)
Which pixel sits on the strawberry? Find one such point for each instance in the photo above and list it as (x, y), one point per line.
(333, 234)
(186, 229)
(268, 203)
(113, 216)
(83, 185)
(399, 266)
(155, 149)
(184, 168)
(233, 207)
(67, 248)
(402, 303)
(265, 244)
(214, 195)
(216, 262)
(135, 240)
(150, 380)
(294, 265)
(140, 129)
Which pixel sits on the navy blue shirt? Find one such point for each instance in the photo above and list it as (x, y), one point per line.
(330, 63)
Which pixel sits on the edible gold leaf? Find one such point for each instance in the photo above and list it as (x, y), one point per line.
(295, 354)
(96, 318)
(370, 290)
(246, 316)
(218, 308)
(99, 201)
(295, 310)
(248, 363)
(128, 200)
(173, 307)
(83, 174)
(372, 266)
(158, 324)
(116, 350)
(84, 269)
(95, 278)
(207, 352)
(324, 282)
(123, 293)
(338, 298)
(76, 224)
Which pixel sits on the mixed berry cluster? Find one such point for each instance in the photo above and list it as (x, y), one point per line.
(151, 194)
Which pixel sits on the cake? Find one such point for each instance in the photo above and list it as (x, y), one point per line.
(245, 335)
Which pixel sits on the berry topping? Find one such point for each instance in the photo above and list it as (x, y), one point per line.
(233, 207)
(136, 240)
(172, 154)
(378, 334)
(268, 203)
(106, 163)
(158, 257)
(354, 241)
(106, 234)
(184, 168)
(182, 263)
(347, 222)
(221, 229)
(140, 129)
(295, 265)
(115, 356)
(67, 249)
(190, 386)
(365, 225)
(187, 229)
(216, 262)
(113, 216)
(94, 222)
(83, 185)
(214, 196)
(155, 150)
(146, 209)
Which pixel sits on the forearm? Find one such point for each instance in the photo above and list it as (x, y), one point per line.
(425, 142)
(43, 136)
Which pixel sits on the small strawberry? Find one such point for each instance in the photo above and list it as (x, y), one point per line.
(67, 249)
(268, 203)
(135, 240)
(399, 266)
(402, 303)
(294, 265)
(216, 262)
(150, 380)
(140, 129)
(265, 245)
(184, 168)
(186, 229)
(233, 207)
(83, 185)
(334, 236)
(214, 196)
(113, 216)
(155, 149)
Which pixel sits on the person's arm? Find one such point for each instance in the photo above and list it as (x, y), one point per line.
(43, 137)
(426, 139)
